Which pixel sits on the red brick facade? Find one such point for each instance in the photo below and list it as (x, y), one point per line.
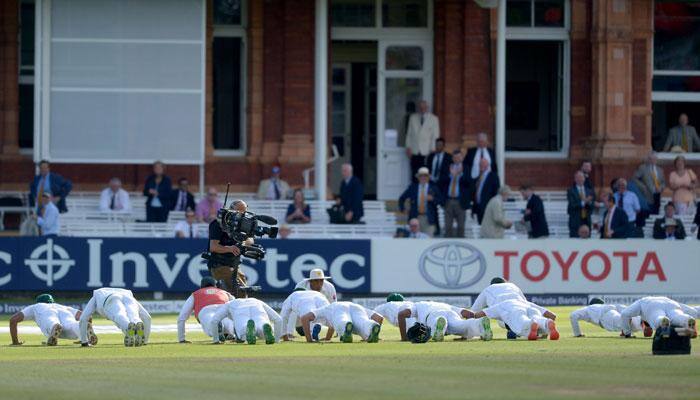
(280, 95)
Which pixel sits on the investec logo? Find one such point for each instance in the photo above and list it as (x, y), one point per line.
(46, 258)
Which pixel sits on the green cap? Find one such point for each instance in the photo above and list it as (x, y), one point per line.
(207, 281)
(299, 289)
(596, 300)
(497, 280)
(44, 298)
(394, 297)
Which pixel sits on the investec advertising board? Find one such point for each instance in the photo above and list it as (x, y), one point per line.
(537, 266)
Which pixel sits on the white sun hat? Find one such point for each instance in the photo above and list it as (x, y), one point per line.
(316, 273)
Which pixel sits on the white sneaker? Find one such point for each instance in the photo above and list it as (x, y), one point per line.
(130, 336)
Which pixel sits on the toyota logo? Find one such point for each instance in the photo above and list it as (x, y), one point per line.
(452, 265)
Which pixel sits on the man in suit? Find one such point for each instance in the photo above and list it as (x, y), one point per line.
(48, 181)
(423, 130)
(580, 204)
(669, 226)
(439, 163)
(182, 199)
(455, 187)
(587, 169)
(615, 222)
(629, 202)
(424, 196)
(483, 188)
(351, 195)
(475, 154)
(534, 213)
(682, 137)
(273, 188)
(495, 222)
(649, 178)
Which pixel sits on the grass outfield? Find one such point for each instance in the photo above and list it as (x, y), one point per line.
(600, 366)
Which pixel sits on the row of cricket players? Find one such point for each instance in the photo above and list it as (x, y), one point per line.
(313, 305)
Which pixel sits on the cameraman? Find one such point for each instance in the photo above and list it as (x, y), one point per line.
(226, 265)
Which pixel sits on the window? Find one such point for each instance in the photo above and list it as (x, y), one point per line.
(228, 84)
(537, 78)
(26, 75)
(392, 13)
(676, 80)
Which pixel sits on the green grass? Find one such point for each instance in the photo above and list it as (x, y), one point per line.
(601, 365)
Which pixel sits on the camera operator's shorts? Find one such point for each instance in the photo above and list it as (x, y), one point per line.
(224, 273)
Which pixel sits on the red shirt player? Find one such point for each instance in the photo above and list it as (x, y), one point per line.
(204, 302)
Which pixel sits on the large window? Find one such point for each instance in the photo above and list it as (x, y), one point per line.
(676, 81)
(228, 58)
(26, 74)
(537, 78)
(380, 13)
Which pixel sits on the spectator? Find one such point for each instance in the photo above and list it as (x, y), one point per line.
(298, 212)
(669, 226)
(587, 169)
(157, 188)
(48, 219)
(584, 232)
(439, 162)
(336, 214)
(475, 154)
(580, 205)
(534, 213)
(683, 182)
(114, 198)
(48, 181)
(682, 138)
(696, 220)
(494, 221)
(629, 202)
(402, 233)
(599, 209)
(615, 221)
(649, 178)
(483, 188)
(182, 199)
(423, 130)
(273, 188)
(285, 232)
(456, 187)
(415, 231)
(351, 195)
(208, 207)
(186, 228)
(424, 198)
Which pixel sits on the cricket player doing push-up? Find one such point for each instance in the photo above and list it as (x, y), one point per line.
(120, 307)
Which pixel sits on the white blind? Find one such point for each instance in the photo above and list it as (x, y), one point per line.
(126, 81)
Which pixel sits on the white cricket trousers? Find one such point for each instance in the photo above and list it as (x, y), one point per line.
(244, 313)
(122, 310)
(653, 314)
(519, 316)
(344, 313)
(612, 321)
(456, 325)
(71, 327)
(206, 316)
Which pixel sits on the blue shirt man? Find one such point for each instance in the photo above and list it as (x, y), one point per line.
(630, 201)
(48, 219)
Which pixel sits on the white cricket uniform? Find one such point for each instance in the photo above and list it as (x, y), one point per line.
(298, 304)
(46, 315)
(327, 289)
(338, 314)
(653, 310)
(204, 318)
(519, 316)
(117, 305)
(242, 310)
(497, 293)
(607, 316)
(390, 311)
(428, 312)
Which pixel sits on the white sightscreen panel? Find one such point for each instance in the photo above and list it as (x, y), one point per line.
(126, 65)
(136, 126)
(127, 19)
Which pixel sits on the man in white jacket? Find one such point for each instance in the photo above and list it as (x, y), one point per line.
(422, 132)
(120, 307)
(606, 316)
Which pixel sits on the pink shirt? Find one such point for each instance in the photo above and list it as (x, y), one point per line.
(204, 207)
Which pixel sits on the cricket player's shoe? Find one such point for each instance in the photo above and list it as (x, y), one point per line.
(140, 337)
(488, 333)
(648, 332)
(511, 335)
(130, 336)
(693, 328)
(374, 334)
(92, 338)
(220, 332)
(269, 336)
(346, 337)
(533, 332)
(665, 327)
(56, 330)
(553, 332)
(315, 332)
(250, 336)
(439, 334)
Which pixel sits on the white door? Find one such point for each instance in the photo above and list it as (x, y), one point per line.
(405, 76)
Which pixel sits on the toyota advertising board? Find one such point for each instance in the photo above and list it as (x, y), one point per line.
(537, 266)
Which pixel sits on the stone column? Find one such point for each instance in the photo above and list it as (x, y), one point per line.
(9, 74)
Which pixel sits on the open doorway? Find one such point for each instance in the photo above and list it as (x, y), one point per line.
(354, 111)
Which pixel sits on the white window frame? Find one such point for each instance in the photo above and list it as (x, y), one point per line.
(378, 31)
(678, 97)
(556, 34)
(237, 31)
